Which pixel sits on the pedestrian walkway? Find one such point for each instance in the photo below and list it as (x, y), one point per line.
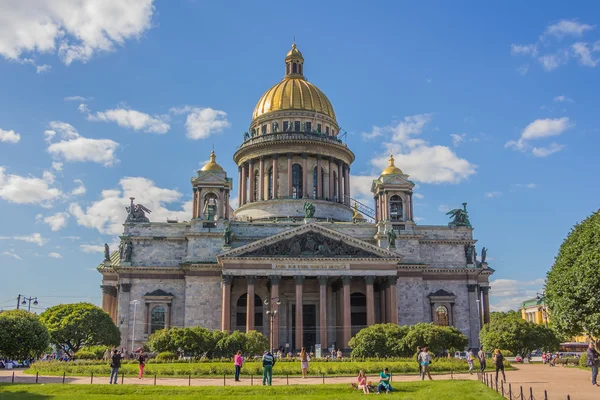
(558, 381)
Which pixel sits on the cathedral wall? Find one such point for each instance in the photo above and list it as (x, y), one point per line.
(158, 252)
(410, 293)
(203, 303)
(443, 255)
(204, 248)
(409, 248)
(444, 232)
(293, 208)
(154, 229)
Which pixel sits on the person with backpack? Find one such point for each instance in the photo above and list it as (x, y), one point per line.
(593, 361)
(115, 364)
(268, 362)
(142, 362)
(499, 363)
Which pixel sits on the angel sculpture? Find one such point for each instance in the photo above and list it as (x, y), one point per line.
(137, 212)
(461, 217)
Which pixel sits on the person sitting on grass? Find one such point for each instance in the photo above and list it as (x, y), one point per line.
(384, 382)
(362, 382)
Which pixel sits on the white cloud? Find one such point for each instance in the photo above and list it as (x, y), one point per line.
(108, 214)
(491, 195)
(568, 28)
(27, 190)
(55, 255)
(416, 157)
(57, 221)
(75, 98)
(76, 148)
(418, 196)
(457, 139)
(92, 248)
(80, 189)
(200, 122)
(562, 99)
(523, 69)
(11, 254)
(547, 151)
(9, 136)
(57, 166)
(583, 52)
(552, 61)
(444, 208)
(132, 119)
(33, 238)
(527, 185)
(38, 68)
(83, 108)
(75, 29)
(360, 188)
(509, 294)
(538, 129)
(523, 49)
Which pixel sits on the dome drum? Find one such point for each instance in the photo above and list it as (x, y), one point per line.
(294, 208)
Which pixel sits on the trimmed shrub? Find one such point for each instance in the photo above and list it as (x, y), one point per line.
(583, 360)
(85, 355)
(166, 356)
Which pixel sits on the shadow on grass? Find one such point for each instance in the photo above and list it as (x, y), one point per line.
(22, 396)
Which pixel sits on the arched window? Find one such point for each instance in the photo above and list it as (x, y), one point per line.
(240, 317)
(296, 181)
(270, 183)
(294, 68)
(256, 186)
(157, 319)
(209, 210)
(441, 316)
(396, 208)
(358, 312)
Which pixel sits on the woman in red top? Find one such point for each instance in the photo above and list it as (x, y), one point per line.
(238, 360)
(362, 382)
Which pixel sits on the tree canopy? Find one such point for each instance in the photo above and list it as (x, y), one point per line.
(72, 326)
(22, 335)
(573, 282)
(508, 331)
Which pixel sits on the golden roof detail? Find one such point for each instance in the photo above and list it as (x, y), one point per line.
(212, 164)
(391, 169)
(294, 53)
(357, 215)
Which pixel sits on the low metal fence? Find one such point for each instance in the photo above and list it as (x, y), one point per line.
(509, 392)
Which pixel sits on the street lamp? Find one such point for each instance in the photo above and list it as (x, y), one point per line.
(135, 303)
(271, 314)
(26, 301)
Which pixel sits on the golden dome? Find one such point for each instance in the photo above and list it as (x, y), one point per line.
(212, 164)
(391, 169)
(294, 92)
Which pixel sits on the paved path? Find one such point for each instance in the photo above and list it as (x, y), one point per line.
(558, 381)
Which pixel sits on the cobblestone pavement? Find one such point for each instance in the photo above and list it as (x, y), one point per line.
(557, 381)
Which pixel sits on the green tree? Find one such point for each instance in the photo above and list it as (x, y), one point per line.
(506, 331)
(160, 341)
(380, 340)
(229, 344)
(72, 326)
(22, 335)
(256, 343)
(437, 338)
(573, 282)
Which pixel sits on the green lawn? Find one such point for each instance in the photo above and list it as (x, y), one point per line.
(440, 390)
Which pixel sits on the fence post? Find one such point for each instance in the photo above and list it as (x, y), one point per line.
(522, 398)
(64, 374)
(510, 390)
(122, 378)
(224, 376)
(503, 388)
(13, 377)
(287, 378)
(251, 379)
(530, 393)
(496, 386)
(36, 377)
(92, 378)
(545, 395)
(323, 379)
(154, 379)
(189, 380)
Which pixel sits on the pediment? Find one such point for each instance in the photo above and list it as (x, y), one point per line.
(441, 293)
(396, 180)
(158, 293)
(312, 241)
(209, 177)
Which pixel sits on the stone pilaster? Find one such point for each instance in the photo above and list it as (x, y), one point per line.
(323, 311)
(250, 304)
(275, 280)
(226, 303)
(369, 281)
(486, 304)
(474, 315)
(299, 320)
(393, 299)
(346, 311)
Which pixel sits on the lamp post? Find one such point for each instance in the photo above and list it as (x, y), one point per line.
(135, 303)
(26, 301)
(272, 314)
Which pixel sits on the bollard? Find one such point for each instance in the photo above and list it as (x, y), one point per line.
(64, 374)
(224, 376)
(522, 398)
(503, 388)
(287, 378)
(189, 380)
(323, 379)
(568, 397)
(92, 379)
(251, 379)
(36, 377)
(510, 390)
(496, 386)
(545, 395)
(13, 377)
(530, 393)
(122, 378)
(154, 379)
(451, 375)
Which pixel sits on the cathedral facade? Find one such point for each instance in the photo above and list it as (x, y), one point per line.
(299, 259)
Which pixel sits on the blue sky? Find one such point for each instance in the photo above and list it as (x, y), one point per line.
(495, 105)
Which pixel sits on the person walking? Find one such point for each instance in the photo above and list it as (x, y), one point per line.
(481, 356)
(499, 363)
(418, 362)
(425, 360)
(238, 360)
(471, 360)
(142, 364)
(115, 364)
(593, 361)
(268, 362)
(304, 359)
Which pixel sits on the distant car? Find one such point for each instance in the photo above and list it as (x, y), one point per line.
(461, 355)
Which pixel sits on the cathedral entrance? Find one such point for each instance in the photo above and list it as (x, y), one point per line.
(309, 319)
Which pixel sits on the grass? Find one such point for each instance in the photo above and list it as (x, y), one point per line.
(438, 390)
(183, 370)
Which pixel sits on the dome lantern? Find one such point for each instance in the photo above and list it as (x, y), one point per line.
(212, 164)
(391, 169)
(294, 63)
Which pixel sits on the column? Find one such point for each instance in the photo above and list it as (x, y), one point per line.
(410, 207)
(340, 195)
(382, 303)
(244, 192)
(331, 189)
(388, 296)
(323, 312)
(348, 181)
(168, 321)
(250, 304)
(299, 321)
(474, 315)
(109, 301)
(369, 280)
(195, 204)
(275, 177)
(393, 299)
(199, 203)
(226, 204)
(275, 279)
(346, 312)
(319, 178)
(123, 314)
(226, 303)
(221, 204)
(486, 304)
(384, 206)
(147, 321)
(251, 196)
(304, 175)
(261, 179)
(240, 186)
(289, 194)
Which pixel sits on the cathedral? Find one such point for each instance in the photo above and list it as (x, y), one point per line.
(299, 259)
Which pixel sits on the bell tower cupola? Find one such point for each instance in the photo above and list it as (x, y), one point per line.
(294, 63)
